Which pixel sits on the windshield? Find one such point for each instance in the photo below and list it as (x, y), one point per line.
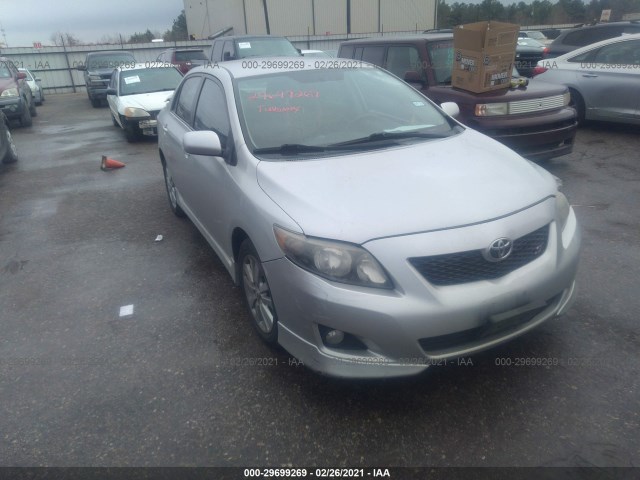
(530, 42)
(111, 61)
(266, 47)
(307, 109)
(186, 55)
(441, 55)
(147, 80)
(536, 35)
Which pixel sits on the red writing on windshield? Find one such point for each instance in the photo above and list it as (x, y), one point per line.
(284, 94)
(274, 109)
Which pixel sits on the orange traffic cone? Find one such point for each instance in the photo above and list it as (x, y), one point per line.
(110, 164)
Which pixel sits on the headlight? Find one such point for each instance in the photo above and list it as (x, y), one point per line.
(562, 210)
(9, 92)
(337, 261)
(490, 109)
(135, 112)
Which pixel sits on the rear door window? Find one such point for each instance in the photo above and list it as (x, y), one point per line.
(373, 55)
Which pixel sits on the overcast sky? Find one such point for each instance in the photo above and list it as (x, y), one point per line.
(28, 21)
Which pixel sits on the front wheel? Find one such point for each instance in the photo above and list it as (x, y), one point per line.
(12, 152)
(32, 108)
(257, 293)
(25, 118)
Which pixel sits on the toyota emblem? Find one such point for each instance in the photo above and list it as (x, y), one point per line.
(499, 250)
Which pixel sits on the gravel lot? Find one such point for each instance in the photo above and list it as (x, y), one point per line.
(171, 385)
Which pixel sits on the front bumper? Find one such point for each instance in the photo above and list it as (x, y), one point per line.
(12, 107)
(415, 325)
(536, 137)
(148, 126)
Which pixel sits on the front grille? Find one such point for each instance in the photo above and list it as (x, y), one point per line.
(536, 104)
(471, 266)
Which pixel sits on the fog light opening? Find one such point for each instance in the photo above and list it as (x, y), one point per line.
(334, 337)
(337, 339)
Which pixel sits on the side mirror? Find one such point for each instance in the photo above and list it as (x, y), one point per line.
(203, 142)
(21, 75)
(227, 56)
(451, 109)
(411, 76)
(82, 68)
(111, 91)
(38, 79)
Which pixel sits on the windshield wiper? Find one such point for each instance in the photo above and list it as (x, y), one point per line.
(290, 149)
(376, 137)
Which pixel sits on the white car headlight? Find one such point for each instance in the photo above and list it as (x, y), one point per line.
(9, 92)
(562, 210)
(490, 109)
(135, 112)
(337, 261)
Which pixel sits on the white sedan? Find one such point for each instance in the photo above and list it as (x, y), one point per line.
(137, 93)
(603, 79)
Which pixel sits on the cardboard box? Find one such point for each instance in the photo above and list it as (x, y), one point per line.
(484, 55)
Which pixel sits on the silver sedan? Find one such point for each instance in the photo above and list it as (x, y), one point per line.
(603, 78)
(371, 233)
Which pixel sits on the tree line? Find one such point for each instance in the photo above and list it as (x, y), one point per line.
(538, 12)
(177, 32)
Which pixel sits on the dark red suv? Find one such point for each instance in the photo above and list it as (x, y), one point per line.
(534, 120)
(183, 58)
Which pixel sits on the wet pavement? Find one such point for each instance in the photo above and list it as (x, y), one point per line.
(176, 382)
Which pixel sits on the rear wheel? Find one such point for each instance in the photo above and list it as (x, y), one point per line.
(32, 108)
(577, 102)
(96, 102)
(257, 293)
(12, 153)
(172, 193)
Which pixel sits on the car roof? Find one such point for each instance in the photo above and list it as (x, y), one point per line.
(401, 39)
(586, 48)
(143, 66)
(245, 37)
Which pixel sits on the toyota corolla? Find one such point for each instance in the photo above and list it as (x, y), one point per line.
(371, 233)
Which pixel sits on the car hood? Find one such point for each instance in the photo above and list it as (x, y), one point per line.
(147, 101)
(432, 185)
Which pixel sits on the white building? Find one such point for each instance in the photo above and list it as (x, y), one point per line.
(307, 17)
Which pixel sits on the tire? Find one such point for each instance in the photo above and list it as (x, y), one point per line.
(12, 152)
(25, 118)
(96, 102)
(577, 102)
(113, 119)
(257, 293)
(132, 133)
(172, 193)
(32, 109)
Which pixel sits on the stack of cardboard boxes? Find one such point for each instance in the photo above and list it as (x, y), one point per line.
(484, 53)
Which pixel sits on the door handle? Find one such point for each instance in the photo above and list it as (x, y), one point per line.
(589, 75)
(164, 127)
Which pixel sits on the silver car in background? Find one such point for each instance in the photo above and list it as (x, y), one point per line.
(34, 85)
(603, 79)
(371, 233)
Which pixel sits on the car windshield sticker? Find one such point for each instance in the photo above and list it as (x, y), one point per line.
(244, 45)
(132, 79)
(274, 109)
(419, 104)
